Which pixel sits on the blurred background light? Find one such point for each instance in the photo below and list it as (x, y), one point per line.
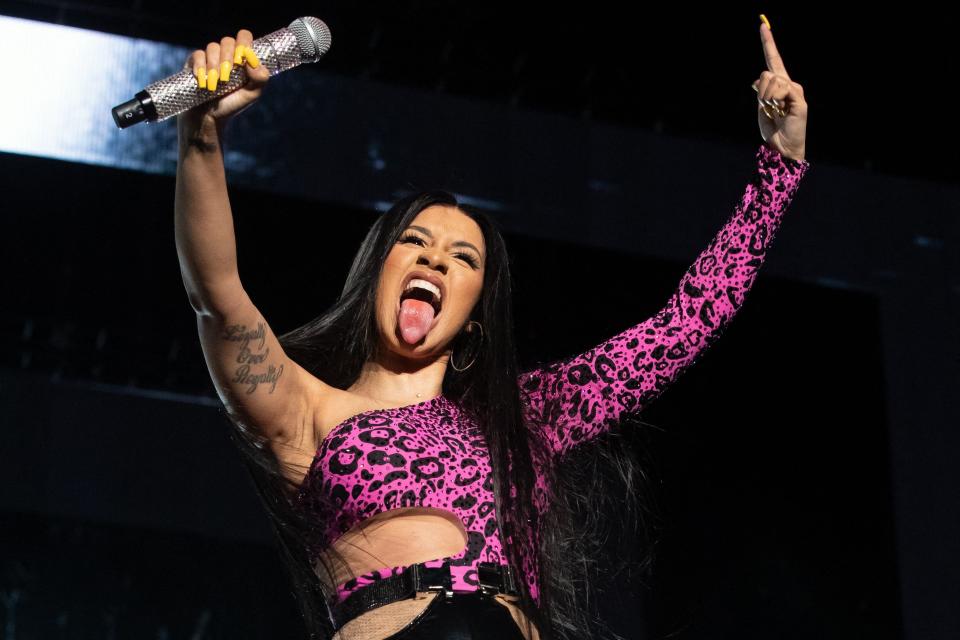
(67, 80)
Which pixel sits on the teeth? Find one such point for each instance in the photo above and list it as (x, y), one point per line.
(423, 284)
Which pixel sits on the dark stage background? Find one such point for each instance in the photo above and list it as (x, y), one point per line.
(806, 468)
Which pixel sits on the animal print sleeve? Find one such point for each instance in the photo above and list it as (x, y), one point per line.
(576, 399)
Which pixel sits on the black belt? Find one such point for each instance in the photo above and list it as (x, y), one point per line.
(493, 578)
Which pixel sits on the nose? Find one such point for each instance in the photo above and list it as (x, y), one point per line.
(434, 259)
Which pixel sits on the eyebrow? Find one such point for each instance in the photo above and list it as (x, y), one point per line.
(458, 243)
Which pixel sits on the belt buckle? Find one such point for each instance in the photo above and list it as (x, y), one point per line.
(489, 577)
(421, 583)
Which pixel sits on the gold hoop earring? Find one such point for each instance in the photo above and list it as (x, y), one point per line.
(453, 364)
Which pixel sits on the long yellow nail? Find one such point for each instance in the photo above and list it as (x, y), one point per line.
(202, 77)
(238, 55)
(225, 68)
(211, 79)
(252, 58)
(765, 21)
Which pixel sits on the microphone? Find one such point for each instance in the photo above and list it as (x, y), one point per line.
(307, 39)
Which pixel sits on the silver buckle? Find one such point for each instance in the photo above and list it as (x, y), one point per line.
(418, 580)
(489, 578)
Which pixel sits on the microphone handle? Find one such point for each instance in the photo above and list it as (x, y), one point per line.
(173, 95)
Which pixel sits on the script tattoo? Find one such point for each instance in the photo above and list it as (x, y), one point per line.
(247, 358)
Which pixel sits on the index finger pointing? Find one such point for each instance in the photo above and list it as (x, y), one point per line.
(774, 61)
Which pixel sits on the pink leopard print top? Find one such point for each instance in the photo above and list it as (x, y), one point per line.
(430, 454)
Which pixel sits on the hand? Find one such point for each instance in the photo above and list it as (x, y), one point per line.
(786, 133)
(213, 66)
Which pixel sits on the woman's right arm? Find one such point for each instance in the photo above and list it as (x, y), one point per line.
(253, 376)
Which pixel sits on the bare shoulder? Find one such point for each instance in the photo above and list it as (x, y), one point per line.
(324, 408)
(332, 407)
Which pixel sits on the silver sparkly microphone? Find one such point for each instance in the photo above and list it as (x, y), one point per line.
(307, 39)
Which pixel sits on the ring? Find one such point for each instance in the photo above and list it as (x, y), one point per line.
(772, 104)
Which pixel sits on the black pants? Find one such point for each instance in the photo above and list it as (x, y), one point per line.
(465, 616)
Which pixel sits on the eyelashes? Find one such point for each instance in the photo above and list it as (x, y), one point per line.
(466, 256)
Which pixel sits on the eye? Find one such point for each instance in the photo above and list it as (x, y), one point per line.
(466, 257)
(411, 238)
(469, 259)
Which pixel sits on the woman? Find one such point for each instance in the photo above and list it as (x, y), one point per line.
(410, 497)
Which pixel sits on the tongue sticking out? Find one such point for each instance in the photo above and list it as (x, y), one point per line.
(415, 319)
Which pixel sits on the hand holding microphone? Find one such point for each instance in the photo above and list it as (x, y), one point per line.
(215, 66)
(307, 39)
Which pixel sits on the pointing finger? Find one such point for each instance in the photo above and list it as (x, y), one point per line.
(774, 61)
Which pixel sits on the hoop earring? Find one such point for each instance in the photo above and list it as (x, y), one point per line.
(453, 364)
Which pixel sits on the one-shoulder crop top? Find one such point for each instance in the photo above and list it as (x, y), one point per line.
(430, 455)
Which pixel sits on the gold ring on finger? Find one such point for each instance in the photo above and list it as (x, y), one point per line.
(773, 105)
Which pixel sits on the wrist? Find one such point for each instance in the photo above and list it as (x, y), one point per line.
(204, 133)
(797, 155)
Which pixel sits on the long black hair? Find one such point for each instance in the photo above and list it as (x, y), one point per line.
(564, 541)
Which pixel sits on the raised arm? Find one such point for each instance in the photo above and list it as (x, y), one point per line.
(583, 396)
(253, 376)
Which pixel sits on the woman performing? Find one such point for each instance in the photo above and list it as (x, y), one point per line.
(407, 465)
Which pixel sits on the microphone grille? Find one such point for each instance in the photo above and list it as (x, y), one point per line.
(313, 37)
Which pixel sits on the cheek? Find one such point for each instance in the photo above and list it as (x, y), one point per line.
(392, 272)
(469, 301)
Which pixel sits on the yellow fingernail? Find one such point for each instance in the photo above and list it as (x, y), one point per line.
(202, 77)
(238, 55)
(252, 58)
(211, 79)
(765, 21)
(225, 67)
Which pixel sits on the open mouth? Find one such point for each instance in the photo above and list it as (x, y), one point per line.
(419, 293)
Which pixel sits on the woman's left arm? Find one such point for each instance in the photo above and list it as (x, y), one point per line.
(583, 396)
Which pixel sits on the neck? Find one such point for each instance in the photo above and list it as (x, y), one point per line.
(396, 380)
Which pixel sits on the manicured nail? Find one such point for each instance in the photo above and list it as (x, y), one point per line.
(225, 68)
(765, 21)
(211, 79)
(202, 77)
(252, 58)
(238, 55)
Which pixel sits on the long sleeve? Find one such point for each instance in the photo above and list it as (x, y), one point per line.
(581, 397)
